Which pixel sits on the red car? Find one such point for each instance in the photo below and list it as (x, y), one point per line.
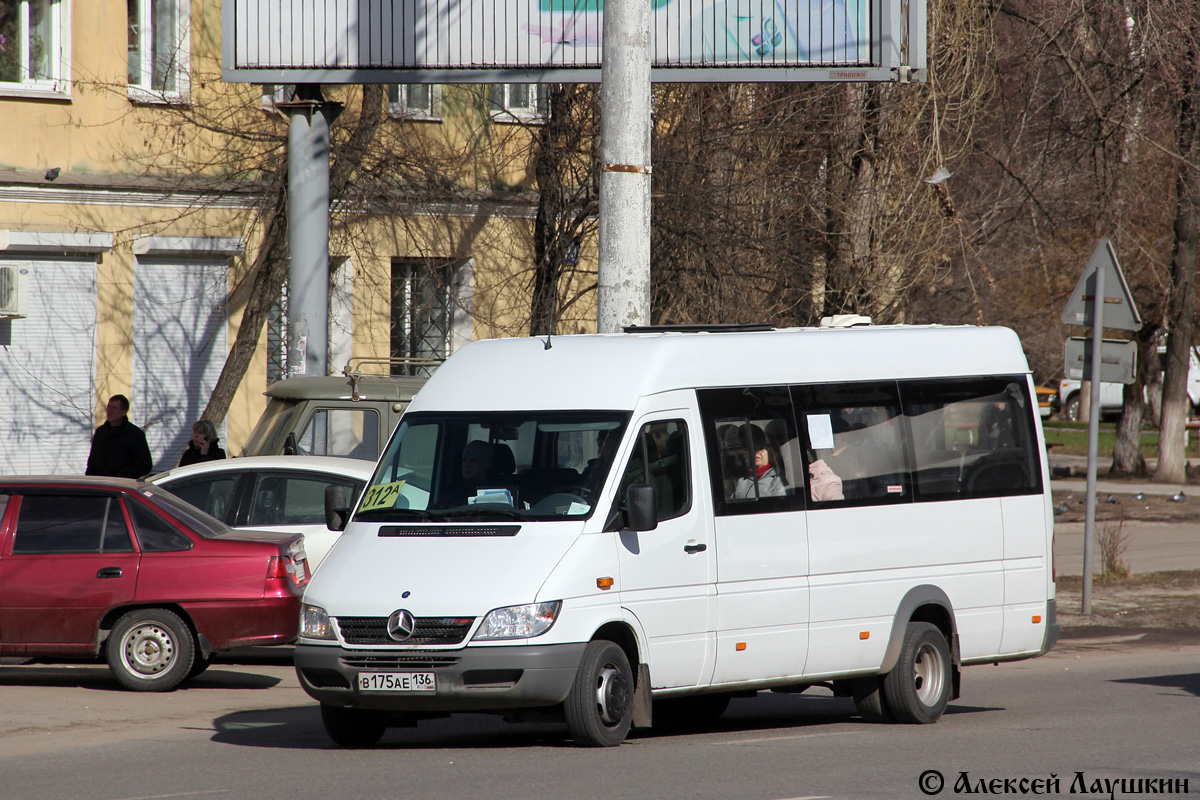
(92, 566)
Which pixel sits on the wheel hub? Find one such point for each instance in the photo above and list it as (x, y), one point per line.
(928, 674)
(149, 649)
(613, 694)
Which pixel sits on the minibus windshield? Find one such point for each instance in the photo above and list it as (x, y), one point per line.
(523, 465)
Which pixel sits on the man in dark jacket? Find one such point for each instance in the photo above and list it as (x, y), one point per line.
(119, 448)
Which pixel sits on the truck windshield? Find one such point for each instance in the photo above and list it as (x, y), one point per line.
(273, 426)
(494, 466)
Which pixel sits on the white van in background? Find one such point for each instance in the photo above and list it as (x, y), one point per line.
(614, 528)
(1112, 395)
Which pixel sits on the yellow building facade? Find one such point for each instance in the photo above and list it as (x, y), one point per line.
(135, 188)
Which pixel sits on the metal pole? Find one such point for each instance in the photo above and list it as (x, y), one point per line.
(308, 230)
(624, 268)
(1089, 526)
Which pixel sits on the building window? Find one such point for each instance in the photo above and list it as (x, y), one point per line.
(518, 102)
(31, 45)
(158, 48)
(415, 100)
(422, 292)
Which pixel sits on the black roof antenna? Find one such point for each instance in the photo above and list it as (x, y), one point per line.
(546, 344)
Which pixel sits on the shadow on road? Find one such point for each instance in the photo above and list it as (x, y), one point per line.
(769, 714)
(1188, 682)
(98, 677)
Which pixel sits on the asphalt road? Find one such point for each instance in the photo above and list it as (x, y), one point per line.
(1106, 709)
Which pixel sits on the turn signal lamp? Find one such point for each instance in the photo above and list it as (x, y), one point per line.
(864, 634)
(604, 583)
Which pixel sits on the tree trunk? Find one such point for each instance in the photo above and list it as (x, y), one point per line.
(1172, 461)
(1127, 449)
(269, 272)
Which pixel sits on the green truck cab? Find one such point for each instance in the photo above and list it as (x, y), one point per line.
(350, 415)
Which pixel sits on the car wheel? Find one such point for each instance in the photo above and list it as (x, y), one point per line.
(150, 650)
(918, 687)
(870, 701)
(689, 711)
(599, 709)
(1070, 411)
(353, 727)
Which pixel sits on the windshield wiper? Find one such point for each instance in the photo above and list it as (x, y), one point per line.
(390, 514)
(484, 513)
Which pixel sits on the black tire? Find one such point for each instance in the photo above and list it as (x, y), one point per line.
(150, 650)
(199, 664)
(1070, 411)
(599, 709)
(688, 711)
(918, 688)
(870, 700)
(353, 727)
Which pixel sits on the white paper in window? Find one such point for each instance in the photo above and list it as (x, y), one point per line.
(820, 431)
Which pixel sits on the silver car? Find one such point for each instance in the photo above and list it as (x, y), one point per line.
(274, 493)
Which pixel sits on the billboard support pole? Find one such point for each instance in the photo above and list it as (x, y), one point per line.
(625, 170)
(308, 230)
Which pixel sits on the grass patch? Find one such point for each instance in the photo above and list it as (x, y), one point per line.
(1071, 438)
(1168, 579)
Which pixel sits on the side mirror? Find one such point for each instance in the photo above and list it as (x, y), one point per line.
(337, 507)
(289, 445)
(641, 507)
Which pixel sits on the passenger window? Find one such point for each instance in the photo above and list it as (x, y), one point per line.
(660, 458)
(854, 444)
(155, 534)
(66, 524)
(213, 494)
(973, 438)
(352, 433)
(294, 500)
(753, 449)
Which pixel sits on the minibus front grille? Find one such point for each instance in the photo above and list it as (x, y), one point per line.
(416, 661)
(428, 630)
(448, 530)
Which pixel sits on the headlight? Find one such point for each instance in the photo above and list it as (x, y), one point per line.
(519, 622)
(314, 623)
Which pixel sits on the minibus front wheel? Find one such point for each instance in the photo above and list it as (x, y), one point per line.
(599, 709)
(919, 686)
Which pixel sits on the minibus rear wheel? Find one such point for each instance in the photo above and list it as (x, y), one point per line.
(918, 687)
(599, 709)
(353, 727)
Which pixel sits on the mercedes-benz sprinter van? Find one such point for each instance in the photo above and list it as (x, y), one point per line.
(610, 528)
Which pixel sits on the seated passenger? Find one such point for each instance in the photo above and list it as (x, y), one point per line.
(823, 482)
(476, 461)
(764, 479)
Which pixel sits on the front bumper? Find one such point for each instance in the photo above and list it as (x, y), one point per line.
(470, 679)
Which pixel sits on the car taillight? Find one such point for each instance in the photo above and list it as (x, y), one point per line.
(283, 568)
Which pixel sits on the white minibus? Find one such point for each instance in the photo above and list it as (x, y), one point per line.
(615, 529)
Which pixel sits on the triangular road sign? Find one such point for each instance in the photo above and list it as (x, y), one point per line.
(1119, 311)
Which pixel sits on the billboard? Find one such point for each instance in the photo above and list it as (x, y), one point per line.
(465, 41)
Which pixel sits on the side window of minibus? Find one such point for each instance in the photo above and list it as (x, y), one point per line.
(972, 437)
(854, 445)
(660, 458)
(754, 457)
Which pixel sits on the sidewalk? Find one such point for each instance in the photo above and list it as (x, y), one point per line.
(1151, 546)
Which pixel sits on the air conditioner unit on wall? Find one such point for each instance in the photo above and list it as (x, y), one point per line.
(12, 305)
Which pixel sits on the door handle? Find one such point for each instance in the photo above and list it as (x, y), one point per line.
(109, 572)
(695, 548)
